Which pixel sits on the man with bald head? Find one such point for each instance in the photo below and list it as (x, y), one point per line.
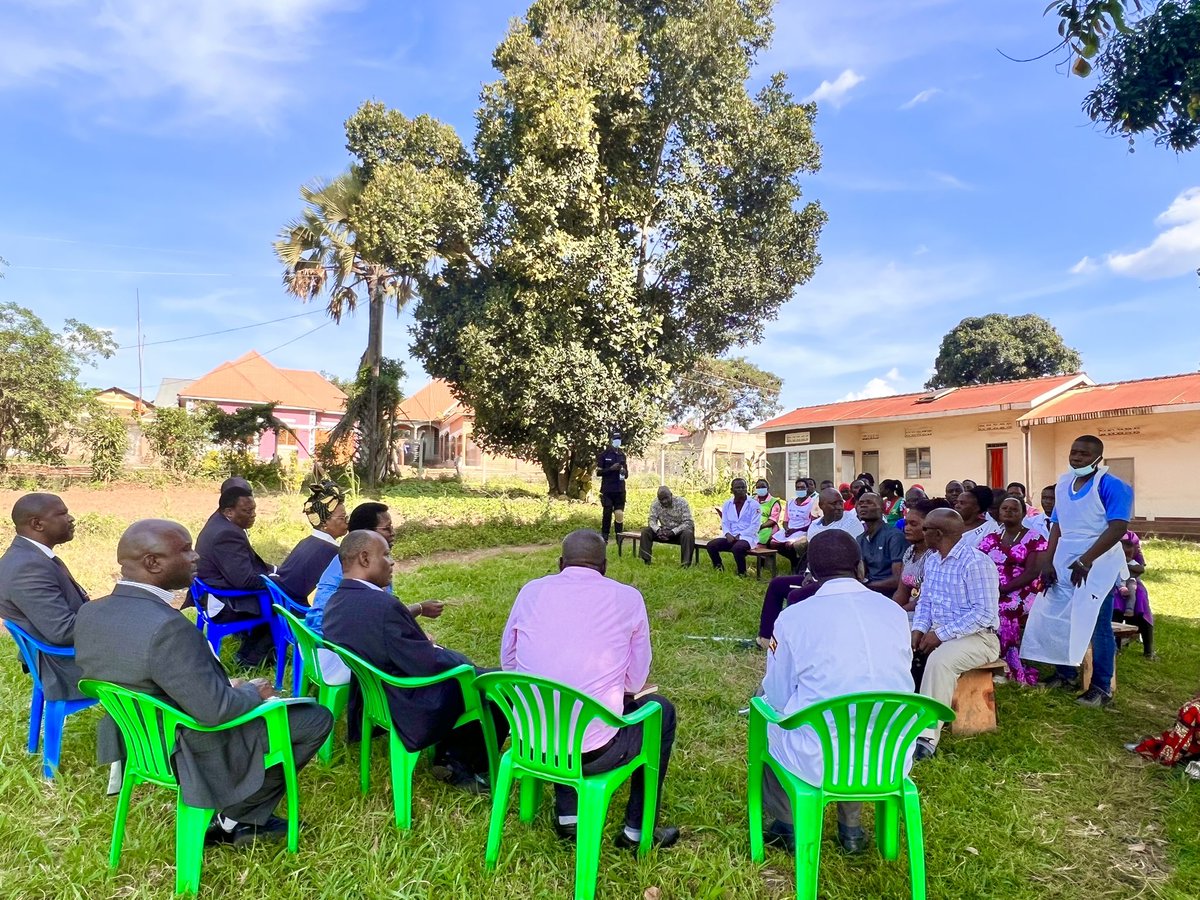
(137, 639)
(834, 515)
(955, 625)
(592, 633)
(37, 592)
(364, 617)
(843, 639)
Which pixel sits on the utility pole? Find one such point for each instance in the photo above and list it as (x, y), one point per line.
(141, 348)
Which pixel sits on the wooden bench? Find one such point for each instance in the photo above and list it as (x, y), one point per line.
(975, 699)
(760, 555)
(1121, 633)
(635, 536)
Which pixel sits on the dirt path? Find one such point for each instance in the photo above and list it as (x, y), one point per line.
(465, 556)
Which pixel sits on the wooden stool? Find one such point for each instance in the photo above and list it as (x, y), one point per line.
(761, 555)
(975, 700)
(1121, 631)
(699, 547)
(635, 536)
(1124, 633)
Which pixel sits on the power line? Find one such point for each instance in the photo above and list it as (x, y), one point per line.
(191, 337)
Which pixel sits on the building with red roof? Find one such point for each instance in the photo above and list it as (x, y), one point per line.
(998, 433)
(307, 401)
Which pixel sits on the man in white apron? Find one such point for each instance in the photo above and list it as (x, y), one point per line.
(1092, 509)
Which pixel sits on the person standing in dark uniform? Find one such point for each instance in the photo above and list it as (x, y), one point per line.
(611, 467)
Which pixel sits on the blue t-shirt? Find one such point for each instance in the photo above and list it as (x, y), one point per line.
(1115, 495)
(330, 579)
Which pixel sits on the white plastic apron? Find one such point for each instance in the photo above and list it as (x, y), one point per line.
(1061, 621)
(797, 514)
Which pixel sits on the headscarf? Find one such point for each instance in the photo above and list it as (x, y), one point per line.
(325, 498)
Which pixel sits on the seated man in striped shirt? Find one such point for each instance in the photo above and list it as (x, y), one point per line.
(957, 616)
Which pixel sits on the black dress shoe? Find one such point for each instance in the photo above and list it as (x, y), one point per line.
(1059, 681)
(923, 750)
(853, 840)
(457, 776)
(780, 835)
(664, 836)
(566, 832)
(247, 833)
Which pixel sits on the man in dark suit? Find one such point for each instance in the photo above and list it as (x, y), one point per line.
(366, 619)
(37, 593)
(136, 639)
(229, 563)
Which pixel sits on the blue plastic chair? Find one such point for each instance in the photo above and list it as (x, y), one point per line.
(52, 712)
(280, 597)
(216, 632)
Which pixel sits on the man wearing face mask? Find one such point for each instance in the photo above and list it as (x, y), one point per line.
(790, 541)
(1091, 513)
(611, 467)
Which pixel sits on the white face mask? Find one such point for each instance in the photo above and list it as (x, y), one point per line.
(1084, 471)
(616, 442)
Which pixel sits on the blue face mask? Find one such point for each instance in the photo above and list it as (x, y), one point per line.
(617, 442)
(801, 493)
(1084, 471)
(761, 492)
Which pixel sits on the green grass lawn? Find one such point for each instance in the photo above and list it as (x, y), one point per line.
(1049, 806)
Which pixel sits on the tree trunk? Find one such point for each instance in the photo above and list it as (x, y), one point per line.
(371, 431)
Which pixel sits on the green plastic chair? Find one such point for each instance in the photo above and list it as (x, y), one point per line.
(333, 697)
(376, 713)
(148, 759)
(865, 767)
(547, 721)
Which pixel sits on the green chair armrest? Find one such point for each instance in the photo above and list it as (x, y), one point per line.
(464, 674)
(266, 708)
(651, 710)
(760, 706)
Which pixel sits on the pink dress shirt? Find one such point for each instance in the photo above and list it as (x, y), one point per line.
(585, 630)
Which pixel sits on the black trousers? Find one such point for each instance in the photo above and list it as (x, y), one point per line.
(686, 540)
(738, 548)
(309, 726)
(611, 501)
(465, 746)
(797, 554)
(625, 745)
(257, 644)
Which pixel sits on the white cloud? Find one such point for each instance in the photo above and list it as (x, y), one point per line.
(923, 97)
(188, 59)
(951, 181)
(1085, 266)
(876, 387)
(836, 92)
(1174, 251)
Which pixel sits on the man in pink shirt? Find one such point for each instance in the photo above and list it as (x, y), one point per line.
(591, 632)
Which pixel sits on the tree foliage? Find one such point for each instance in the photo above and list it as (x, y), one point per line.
(40, 395)
(177, 437)
(997, 347)
(716, 392)
(322, 254)
(385, 425)
(106, 439)
(626, 208)
(1146, 56)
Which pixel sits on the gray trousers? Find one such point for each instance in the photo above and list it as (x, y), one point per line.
(776, 802)
(309, 725)
(686, 539)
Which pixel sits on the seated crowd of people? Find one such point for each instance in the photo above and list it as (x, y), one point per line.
(919, 589)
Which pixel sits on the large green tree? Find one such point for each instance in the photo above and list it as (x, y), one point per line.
(40, 393)
(715, 392)
(1145, 55)
(997, 347)
(627, 207)
(322, 256)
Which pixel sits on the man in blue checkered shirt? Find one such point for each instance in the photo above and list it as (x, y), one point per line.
(957, 616)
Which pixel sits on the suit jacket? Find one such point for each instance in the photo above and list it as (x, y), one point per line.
(379, 628)
(39, 595)
(134, 639)
(299, 573)
(228, 562)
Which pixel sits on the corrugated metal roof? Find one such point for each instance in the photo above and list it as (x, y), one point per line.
(1007, 394)
(1119, 398)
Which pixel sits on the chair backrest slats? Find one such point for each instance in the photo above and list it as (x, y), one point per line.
(147, 725)
(865, 738)
(308, 643)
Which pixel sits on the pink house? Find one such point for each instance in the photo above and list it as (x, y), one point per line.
(307, 401)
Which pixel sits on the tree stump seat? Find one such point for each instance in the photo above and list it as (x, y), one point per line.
(975, 699)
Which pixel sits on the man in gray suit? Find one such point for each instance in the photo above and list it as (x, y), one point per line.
(37, 593)
(136, 639)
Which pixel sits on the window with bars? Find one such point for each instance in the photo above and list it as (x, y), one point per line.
(918, 463)
(797, 465)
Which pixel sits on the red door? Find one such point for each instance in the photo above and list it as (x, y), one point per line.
(997, 463)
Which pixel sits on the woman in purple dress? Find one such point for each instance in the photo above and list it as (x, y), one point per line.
(1131, 602)
(1016, 551)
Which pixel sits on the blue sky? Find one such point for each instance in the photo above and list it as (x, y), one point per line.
(158, 148)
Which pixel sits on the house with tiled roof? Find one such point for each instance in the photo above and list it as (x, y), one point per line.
(307, 401)
(998, 433)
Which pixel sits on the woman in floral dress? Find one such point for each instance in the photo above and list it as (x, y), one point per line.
(1016, 550)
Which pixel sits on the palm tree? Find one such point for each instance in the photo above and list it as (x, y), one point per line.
(320, 256)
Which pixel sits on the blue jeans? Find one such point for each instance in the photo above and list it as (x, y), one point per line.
(1104, 650)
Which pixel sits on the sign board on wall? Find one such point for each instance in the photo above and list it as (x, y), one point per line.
(796, 437)
(1121, 431)
(994, 426)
